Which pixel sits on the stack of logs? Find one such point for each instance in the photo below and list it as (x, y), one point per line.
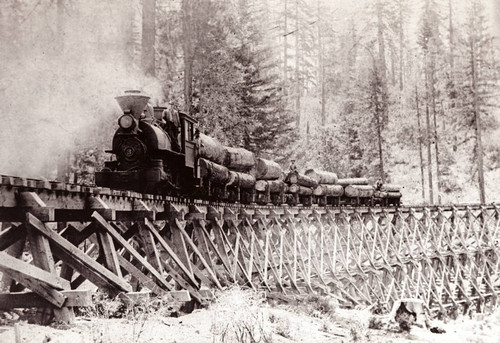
(270, 186)
(327, 188)
(321, 184)
(237, 170)
(389, 191)
(223, 165)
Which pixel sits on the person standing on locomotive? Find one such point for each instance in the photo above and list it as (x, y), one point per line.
(173, 127)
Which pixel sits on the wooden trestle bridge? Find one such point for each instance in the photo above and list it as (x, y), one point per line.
(55, 238)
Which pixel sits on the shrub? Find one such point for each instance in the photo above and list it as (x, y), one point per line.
(237, 317)
(316, 305)
(282, 327)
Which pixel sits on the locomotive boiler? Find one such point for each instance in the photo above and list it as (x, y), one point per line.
(157, 150)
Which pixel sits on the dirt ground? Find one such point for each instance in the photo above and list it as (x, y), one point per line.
(236, 317)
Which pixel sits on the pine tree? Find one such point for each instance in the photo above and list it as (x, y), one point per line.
(378, 106)
(262, 106)
(430, 42)
(480, 72)
(301, 32)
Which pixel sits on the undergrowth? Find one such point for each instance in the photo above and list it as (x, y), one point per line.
(238, 317)
(105, 307)
(318, 305)
(137, 315)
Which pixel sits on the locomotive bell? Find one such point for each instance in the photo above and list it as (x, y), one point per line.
(133, 101)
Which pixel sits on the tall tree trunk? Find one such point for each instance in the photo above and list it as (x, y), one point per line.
(477, 120)
(354, 48)
(307, 133)
(381, 44)
(297, 65)
(378, 98)
(321, 69)
(452, 38)
(401, 42)
(148, 36)
(420, 144)
(496, 22)
(187, 46)
(381, 73)
(436, 138)
(382, 65)
(379, 138)
(323, 96)
(429, 133)
(392, 74)
(285, 50)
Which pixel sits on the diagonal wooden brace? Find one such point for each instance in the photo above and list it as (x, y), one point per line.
(78, 260)
(160, 280)
(38, 280)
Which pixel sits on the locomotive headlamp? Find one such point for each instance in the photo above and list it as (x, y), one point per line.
(126, 122)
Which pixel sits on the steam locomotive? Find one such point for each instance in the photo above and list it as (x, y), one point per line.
(159, 150)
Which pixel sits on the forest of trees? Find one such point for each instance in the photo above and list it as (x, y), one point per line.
(398, 90)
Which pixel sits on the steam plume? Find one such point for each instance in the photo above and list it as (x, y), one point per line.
(59, 76)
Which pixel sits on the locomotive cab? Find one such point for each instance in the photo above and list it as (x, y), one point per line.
(187, 138)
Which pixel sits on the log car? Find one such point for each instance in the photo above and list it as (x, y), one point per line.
(217, 182)
(387, 195)
(224, 173)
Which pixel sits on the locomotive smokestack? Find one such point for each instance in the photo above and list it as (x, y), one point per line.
(133, 101)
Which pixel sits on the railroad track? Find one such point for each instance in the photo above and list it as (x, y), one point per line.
(67, 199)
(446, 255)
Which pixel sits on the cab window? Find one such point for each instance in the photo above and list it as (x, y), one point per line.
(190, 133)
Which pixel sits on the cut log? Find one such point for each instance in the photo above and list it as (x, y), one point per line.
(211, 149)
(291, 177)
(261, 186)
(246, 181)
(242, 180)
(394, 195)
(267, 170)
(274, 186)
(387, 187)
(239, 159)
(306, 181)
(359, 191)
(378, 194)
(329, 190)
(323, 177)
(277, 186)
(352, 181)
(213, 172)
(300, 179)
(301, 190)
(232, 178)
(293, 188)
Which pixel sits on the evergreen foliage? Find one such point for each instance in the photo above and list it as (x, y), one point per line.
(353, 73)
(262, 107)
(236, 92)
